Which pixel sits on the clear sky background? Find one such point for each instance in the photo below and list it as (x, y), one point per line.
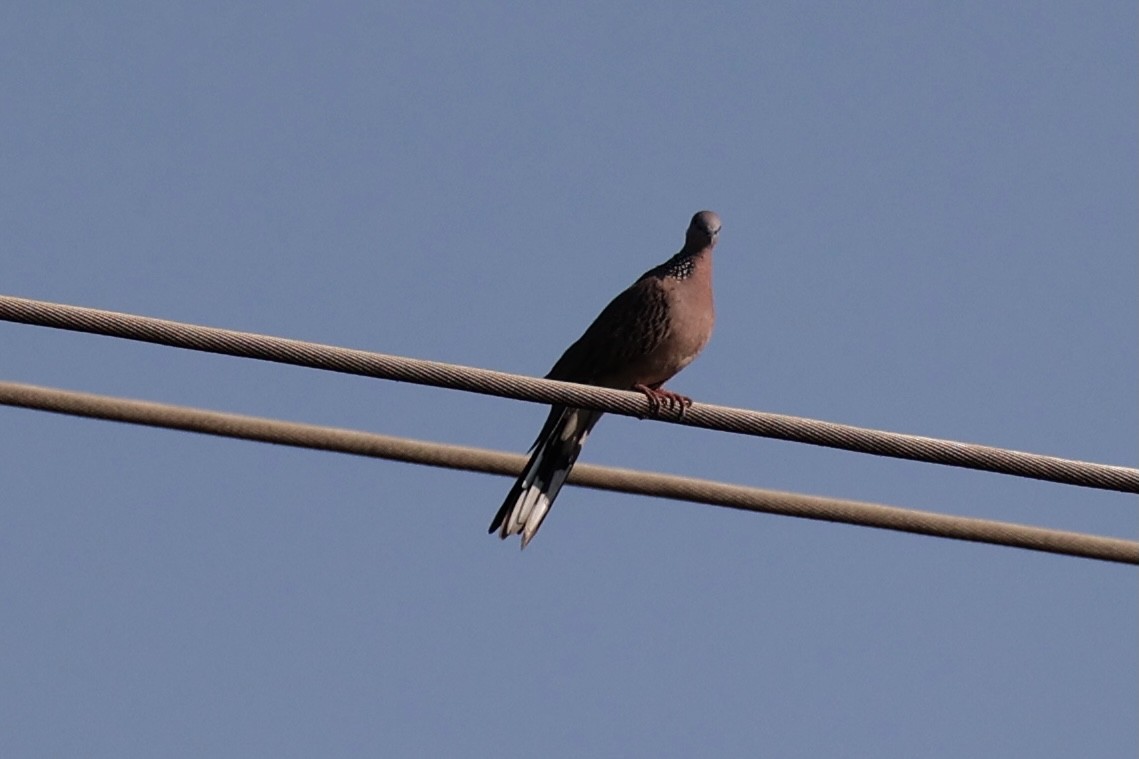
(930, 226)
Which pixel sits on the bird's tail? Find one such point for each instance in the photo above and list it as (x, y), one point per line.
(554, 454)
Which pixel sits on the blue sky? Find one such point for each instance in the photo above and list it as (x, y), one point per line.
(930, 226)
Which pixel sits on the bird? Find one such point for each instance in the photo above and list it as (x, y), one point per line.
(647, 334)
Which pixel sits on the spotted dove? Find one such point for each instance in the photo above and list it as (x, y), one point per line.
(641, 339)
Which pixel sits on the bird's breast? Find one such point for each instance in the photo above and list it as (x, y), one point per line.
(687, 330)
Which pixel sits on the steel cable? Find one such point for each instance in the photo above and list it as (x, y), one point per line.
(598, 477)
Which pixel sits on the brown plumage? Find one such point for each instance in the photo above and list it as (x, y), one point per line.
(640, 340)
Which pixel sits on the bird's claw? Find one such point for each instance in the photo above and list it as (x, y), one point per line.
(659, 397)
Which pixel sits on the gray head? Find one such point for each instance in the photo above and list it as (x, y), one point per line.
(704, 230)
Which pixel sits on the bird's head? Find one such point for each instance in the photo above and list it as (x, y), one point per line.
(704, 229)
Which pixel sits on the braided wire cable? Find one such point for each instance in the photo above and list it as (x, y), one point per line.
(471, 379)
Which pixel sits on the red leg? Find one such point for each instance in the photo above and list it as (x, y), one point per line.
(659, 397)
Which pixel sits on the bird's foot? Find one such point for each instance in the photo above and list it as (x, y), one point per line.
(659, 397)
